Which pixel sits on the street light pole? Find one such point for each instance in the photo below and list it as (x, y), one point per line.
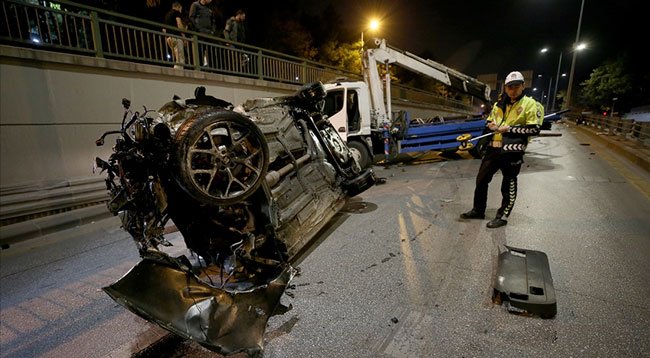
(361, 54)
(550, 85)
(557, 80)
(573, 61)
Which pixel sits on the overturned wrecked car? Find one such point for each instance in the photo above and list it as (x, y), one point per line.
(248, 187)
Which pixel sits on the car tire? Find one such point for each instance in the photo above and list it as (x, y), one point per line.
(221, 157)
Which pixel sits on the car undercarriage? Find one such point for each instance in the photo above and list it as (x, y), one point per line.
(248, 187)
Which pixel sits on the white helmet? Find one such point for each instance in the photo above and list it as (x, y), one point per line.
(514, 76)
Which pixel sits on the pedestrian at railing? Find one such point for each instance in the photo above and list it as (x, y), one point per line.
(235, 31)
(176, 40)
(202, 20)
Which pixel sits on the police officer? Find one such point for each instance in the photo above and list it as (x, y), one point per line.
(513, 120)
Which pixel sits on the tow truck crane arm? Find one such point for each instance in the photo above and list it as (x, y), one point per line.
(388, 55)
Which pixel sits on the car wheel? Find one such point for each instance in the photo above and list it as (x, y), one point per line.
(221, 157)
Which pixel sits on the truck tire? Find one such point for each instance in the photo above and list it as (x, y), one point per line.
(221, 157)
(480, 147)
(476, 152)
(449, 152)
(360, 153)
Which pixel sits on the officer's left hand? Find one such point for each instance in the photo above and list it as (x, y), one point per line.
(503, 129)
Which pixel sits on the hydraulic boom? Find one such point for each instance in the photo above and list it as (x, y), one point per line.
(387, 55)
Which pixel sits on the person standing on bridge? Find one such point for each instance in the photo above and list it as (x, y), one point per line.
(202, 21)
(513, 120)
(174, 18)
(235, 31)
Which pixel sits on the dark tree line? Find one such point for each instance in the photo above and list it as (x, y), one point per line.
(622, 78)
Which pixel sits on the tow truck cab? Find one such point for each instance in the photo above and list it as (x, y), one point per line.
(347, 106)
(362, 112)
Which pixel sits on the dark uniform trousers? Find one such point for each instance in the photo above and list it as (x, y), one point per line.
(509, 163)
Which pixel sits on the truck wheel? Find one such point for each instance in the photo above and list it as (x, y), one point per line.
(449, 153)
(474, 152)
(477, 152)
(221, 157)
(360, 153)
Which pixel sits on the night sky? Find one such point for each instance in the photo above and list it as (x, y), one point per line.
(477, 37)
(480, 37)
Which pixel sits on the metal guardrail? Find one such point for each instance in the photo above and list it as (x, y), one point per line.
(35, 25)
(64, 26)
(28, 202)
(628, 128)
(423, 97)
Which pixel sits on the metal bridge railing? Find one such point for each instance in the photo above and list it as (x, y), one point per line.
(420, 96)
(628, 128)
(64, 26)
(39, 26)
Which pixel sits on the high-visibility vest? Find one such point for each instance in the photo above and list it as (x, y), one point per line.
(526, 111)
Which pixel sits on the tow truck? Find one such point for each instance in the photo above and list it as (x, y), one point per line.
(362, 112)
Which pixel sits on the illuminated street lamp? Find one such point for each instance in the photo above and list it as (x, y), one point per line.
(373, 26)
(575, 50)
(578, 47)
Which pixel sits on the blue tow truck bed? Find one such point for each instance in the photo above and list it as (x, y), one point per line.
(420, 137)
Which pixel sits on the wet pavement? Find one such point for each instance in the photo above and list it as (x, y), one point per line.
(397, 274)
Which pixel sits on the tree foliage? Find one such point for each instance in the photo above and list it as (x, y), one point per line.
(342, 55)
(610, 80)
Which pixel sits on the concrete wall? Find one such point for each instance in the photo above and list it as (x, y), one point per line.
(53, 107)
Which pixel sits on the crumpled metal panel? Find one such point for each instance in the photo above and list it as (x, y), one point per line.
(163, 290)
(524, 283)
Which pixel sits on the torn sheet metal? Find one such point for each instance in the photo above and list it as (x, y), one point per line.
(524, 283)
(165, 291)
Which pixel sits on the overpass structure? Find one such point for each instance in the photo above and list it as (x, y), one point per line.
(65, 68)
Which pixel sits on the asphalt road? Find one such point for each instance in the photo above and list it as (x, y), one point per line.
(398, 275)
